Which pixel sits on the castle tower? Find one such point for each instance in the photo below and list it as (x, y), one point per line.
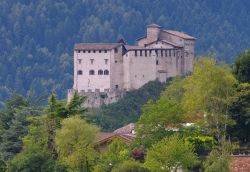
(153, 32)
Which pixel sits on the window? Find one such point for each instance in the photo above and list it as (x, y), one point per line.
(174, 53)
(150, 52)
(83, 51)
(135, 53)
(100, 72)
(115, 61)
(79, 61)
(157, 62)
(146, 54)
(91, 61)
(79, 51)
(100, 51)
(116, 86)
(140, 52)
(106, 61)
(116, 50)
(161, 53)
(79, 72)
(105, 51)
(166, 53)
(170, 53)
(94, 51)
(91, 72)
(106, 72)
(89, 51)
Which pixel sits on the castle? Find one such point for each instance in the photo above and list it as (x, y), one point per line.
(105, 71)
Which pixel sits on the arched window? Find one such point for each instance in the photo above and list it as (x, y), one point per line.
(106, 72)
(100, 72)
(79, 72)
(91, 72)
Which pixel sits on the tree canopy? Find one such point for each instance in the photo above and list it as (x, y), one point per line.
(37, 37)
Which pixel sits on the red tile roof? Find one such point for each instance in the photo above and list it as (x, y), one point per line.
(96, 46)
(179, 34)
(240, 164)
(127, 129)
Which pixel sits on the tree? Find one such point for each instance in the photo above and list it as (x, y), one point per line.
(240, 113)
(56, 111)
(14, 124)
(219, 158)
(156, 118)
(170, 154)
(34, 155)
(210, 90)
(130, 166)
(241, 67)
(32, 159)
(116, 153)
(74, 143)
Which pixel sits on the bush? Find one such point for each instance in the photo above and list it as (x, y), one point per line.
(202, 144)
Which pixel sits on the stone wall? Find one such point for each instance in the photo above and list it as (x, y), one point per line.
(97, 98)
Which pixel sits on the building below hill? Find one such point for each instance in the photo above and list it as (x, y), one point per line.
(105, 71)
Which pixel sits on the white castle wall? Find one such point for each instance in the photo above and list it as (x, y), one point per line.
(91, 82)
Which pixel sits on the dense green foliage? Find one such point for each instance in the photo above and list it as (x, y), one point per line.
(14, 124)
(127, 109)
(241, 67)
(37, 37)
(171, 154)
(60, 136)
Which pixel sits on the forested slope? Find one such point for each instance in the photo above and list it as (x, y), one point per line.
(37, 37)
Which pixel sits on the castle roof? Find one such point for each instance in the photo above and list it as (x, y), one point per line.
(96, 46)
(133, 47)
(179, 34)
(165, 41)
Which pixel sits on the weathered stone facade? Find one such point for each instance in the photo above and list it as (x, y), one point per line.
(105, 71)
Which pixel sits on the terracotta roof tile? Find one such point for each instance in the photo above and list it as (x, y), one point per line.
(126, 129)
(179, 34)
(96, 46)
(240, 164)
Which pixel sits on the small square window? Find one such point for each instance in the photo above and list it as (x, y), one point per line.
(79, 51)
(116, 50)
(100, 51)
(94, 51)
(89, 51)
(79, 61)
(83, 51)
(106, 61)
(91, 61)
(105, 51)
(116, 86)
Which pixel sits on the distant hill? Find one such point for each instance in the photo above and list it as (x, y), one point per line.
(37, 37)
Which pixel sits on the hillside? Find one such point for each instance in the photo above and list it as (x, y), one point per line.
(37, 37)
(127, 109)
